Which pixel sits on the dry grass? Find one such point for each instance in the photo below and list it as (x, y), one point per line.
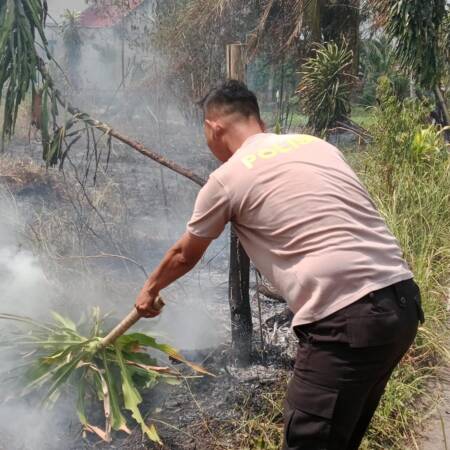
(23, 119)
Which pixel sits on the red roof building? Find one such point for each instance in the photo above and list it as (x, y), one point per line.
(108, 13)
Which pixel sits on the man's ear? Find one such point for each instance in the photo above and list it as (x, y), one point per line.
(216, 128)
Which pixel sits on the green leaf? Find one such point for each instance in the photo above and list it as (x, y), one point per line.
(64, 321)
(81, 407)
(118, 421)
(132, 400)
(148, 341)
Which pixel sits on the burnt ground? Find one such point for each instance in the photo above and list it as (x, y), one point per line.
(207, 413)
(215, 413)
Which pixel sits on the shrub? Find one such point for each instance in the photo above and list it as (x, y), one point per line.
(326, 86)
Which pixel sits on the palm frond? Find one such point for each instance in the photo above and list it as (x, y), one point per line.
(58, 355)
(414, 27)
(326, 85)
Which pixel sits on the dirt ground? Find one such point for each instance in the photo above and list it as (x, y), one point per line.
(436, 432)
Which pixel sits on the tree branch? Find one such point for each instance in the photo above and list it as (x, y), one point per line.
(105, 128)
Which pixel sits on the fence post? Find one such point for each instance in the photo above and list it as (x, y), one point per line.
(239, 272)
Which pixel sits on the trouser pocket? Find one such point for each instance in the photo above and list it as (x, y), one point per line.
(309, 412)
(408, 290)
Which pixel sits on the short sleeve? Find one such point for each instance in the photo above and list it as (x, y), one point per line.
(212, 211)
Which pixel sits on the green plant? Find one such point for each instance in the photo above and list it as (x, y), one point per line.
(19, 62)
(393, 139)
(377, 60)
(416, 29)
(325, 87)
(61, 354)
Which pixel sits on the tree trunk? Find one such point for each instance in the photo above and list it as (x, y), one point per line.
(353, 33)
(239, 273)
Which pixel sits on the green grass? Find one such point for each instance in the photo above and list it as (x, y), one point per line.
(363, 116)
(298, 120)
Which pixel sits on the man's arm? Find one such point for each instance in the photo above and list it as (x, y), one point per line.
(179, 260)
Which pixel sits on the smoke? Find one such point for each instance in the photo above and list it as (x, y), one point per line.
(25, 290)
(31, 284)
(24, 287)
(54, 269)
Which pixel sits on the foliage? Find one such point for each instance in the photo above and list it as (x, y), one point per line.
(22, 42)
(63, 354)
(325, 86)
(377, 59)
(22, 69)
(409, 137)
(19, 62)
(280, 32)
(414, 28)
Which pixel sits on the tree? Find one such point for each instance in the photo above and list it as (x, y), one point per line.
(73, 42)
(415, 30)
(194, 33)
(378, 59)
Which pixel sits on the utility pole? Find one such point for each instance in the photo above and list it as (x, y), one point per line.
(239, 272)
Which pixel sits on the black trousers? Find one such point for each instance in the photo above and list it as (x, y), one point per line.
(343, 364)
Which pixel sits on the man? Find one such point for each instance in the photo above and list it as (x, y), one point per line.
(310, 227)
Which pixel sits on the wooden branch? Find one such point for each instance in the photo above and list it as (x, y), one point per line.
(105, 128)
(352, 127)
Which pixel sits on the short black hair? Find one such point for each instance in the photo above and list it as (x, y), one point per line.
(232, 96)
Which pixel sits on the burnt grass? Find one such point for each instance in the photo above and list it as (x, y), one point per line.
(200, 413)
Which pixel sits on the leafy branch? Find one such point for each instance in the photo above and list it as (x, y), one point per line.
(23, 68)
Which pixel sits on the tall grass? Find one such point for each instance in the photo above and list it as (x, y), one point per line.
(407, 172)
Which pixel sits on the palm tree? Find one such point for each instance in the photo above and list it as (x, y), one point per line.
(378, 59)
(415, 29)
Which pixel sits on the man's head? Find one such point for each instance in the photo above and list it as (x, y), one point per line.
(231, 115)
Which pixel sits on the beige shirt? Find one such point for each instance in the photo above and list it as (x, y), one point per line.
(306, 221)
